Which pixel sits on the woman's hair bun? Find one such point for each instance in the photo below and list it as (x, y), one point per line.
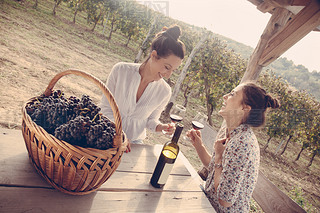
(164, 28)
(271, 102)
(173, 32)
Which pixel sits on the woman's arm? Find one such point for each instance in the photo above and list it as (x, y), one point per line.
(219, 147)
(196, 140)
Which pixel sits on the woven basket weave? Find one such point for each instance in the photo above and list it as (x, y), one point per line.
(72, 169)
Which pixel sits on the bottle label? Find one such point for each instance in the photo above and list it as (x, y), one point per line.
(165, 173)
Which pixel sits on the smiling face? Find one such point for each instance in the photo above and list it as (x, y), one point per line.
(233, 107)
(163, 67)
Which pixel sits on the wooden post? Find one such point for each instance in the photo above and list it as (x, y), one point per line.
(278, 19)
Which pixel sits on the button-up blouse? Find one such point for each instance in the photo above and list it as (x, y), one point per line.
(240, 163)
(123, 83)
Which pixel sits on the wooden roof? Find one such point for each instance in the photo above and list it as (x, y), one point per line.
(294, 6)
(290, 21)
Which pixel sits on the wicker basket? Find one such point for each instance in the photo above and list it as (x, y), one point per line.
(72, 169)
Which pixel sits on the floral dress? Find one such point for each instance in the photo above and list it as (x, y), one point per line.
(240, 163)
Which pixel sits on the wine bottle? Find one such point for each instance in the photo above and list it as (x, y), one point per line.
(166, 160)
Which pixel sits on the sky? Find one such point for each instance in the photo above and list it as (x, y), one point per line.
(241, 21)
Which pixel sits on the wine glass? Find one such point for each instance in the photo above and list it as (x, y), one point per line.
(197, 122)
(176, 115)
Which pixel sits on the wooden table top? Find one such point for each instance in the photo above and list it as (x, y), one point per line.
(22, 189)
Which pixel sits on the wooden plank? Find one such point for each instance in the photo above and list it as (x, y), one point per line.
(271, 199)
(46, 200)
(300, 2)
(120, 181)
(278, 19)
(298, 27)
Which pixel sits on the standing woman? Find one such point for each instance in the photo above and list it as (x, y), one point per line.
(234, 165)
(140, 90)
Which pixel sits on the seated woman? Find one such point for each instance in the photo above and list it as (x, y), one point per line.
(234, 165)
(139, 89)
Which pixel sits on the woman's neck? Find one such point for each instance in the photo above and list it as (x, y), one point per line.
(144, 72)
(231, 124)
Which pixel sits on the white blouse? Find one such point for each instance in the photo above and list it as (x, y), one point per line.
(123, 83)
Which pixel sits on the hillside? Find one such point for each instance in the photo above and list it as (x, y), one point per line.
(297, 75)
(35, 45)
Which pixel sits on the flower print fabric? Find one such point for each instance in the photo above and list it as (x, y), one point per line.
(240, 171)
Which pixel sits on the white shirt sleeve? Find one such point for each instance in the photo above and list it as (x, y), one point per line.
(111, 85)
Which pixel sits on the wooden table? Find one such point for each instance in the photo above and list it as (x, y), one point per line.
(22, 189)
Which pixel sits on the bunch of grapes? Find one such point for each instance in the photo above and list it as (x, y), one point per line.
(76, 121)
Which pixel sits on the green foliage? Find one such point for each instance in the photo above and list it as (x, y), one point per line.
(297, 195)
(217, 70)
(135, 21)
(298, 115)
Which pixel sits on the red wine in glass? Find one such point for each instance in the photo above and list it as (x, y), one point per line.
(175, 118)
(197, 125)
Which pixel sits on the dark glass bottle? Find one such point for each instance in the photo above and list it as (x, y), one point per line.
(166, 160)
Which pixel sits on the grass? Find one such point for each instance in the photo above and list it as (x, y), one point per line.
(292, 177)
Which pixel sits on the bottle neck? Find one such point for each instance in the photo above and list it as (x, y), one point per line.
(177, 133)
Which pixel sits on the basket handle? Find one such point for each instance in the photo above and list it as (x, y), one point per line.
(106, 92)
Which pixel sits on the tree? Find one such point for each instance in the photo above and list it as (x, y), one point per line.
(77, 5)
(192, 83)
(220, 71)
(314, 138)
(35, 6)
(135, 21)
(185, 69)
(276, 123)
(96, 11)
(56, 4)
(147, 39)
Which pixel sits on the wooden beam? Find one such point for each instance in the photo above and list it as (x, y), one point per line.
(278, 19)
(271, 199)
(279, 3)
(285, 3)
(300, 2)
(298, 27)
(265, 7)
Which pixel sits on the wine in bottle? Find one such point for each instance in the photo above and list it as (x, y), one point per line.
(166, 160)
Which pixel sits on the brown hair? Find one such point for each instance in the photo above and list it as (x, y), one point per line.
(257, 98)
(167, 42)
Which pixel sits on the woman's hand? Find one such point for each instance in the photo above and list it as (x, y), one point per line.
(219, 147)
(169, 128)
(195, 137)
(128, 147)
(196, 140)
